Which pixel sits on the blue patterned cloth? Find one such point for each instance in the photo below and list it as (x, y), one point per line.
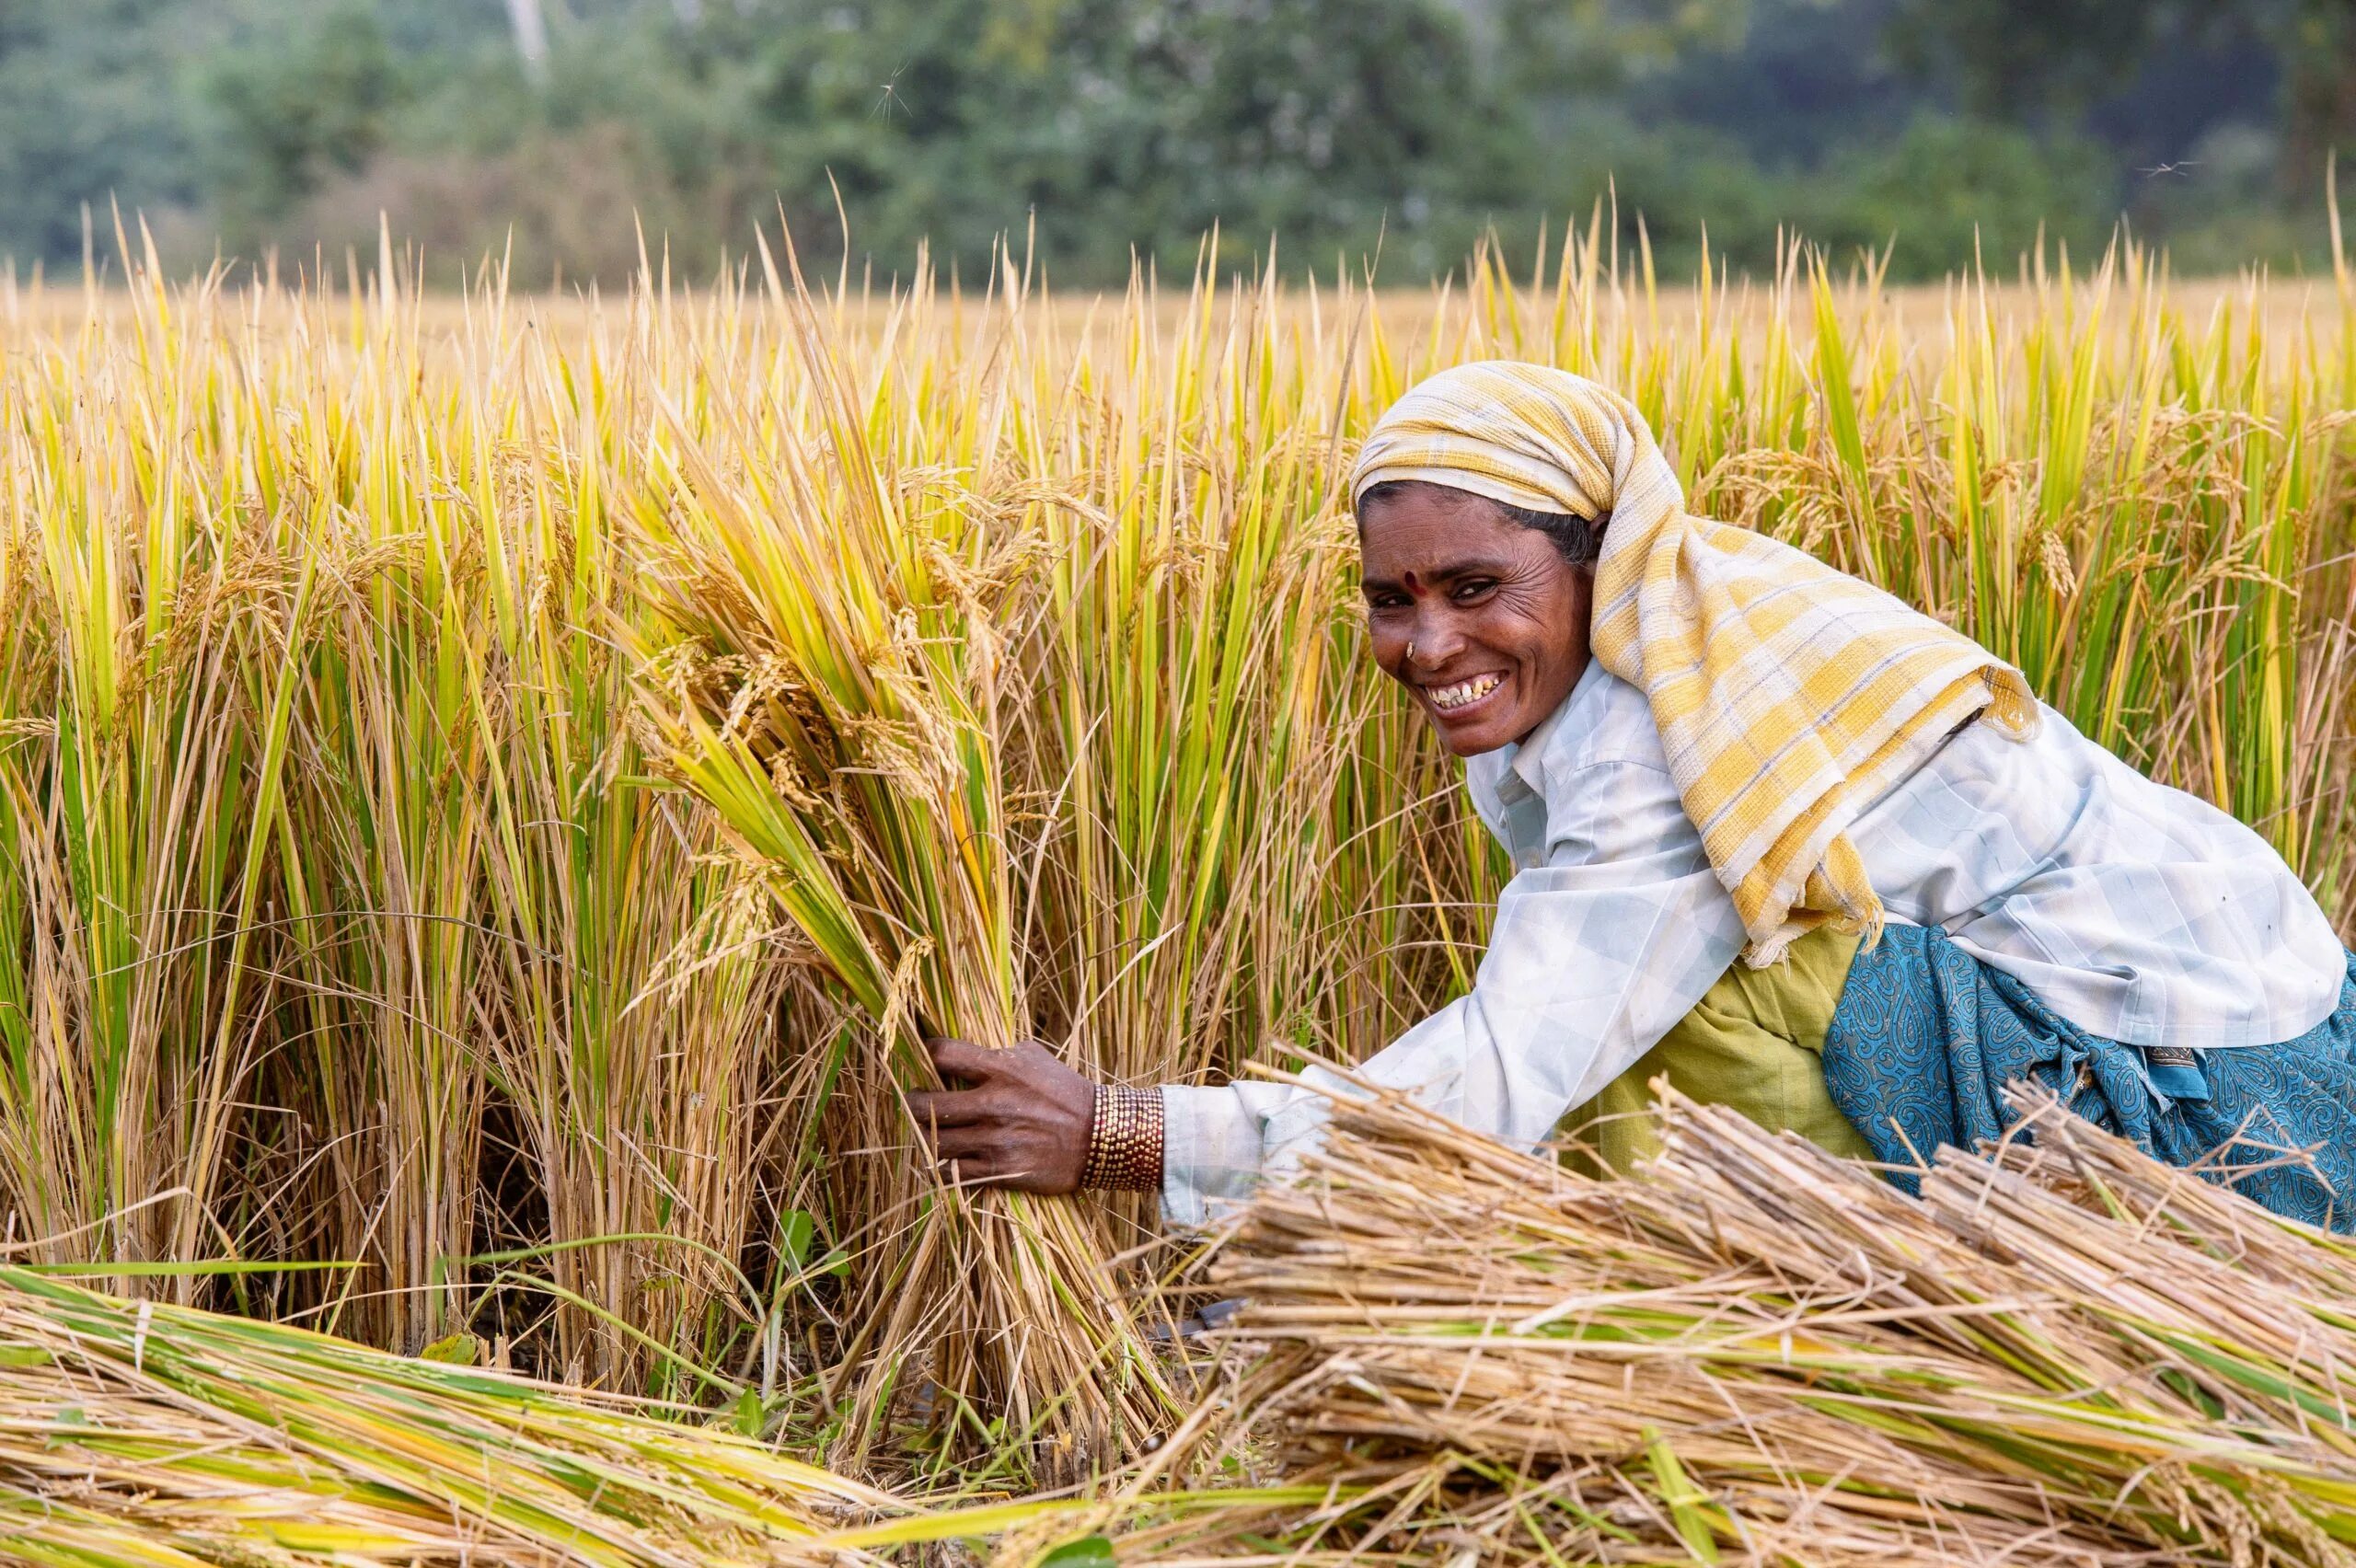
(1926, 1037)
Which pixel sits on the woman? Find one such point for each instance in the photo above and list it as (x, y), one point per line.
(1775, 835)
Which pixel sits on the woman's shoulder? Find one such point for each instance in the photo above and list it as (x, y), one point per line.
(1609, 796)
(1597, 758)
(2058, 803)
(1609, 723)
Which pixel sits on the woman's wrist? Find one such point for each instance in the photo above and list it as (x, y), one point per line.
(1123, 1141)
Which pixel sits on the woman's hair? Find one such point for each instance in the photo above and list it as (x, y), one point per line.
(1577, 541)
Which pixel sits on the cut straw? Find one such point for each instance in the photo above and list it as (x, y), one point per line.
(2066, 1353)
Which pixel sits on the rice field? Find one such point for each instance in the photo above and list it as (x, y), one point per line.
(493, 789)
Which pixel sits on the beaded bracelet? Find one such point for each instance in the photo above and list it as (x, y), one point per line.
(1123, 1141)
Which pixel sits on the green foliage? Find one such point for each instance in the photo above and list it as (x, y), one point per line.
(1114, 122)
(2038, 53)
(2067, 56)
(295, 109)
(1083, 131)
(1088, 1551)
(86, 113)
(1948, 187)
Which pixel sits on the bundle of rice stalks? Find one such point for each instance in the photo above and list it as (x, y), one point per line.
(846, 719)
(2067, 1353)
(1006, 726)
(150, 1434)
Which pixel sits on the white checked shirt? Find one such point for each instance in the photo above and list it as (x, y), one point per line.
(2137, 912)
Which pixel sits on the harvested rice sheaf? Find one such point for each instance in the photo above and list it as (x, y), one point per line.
(2063, 1352)
(135, 1432)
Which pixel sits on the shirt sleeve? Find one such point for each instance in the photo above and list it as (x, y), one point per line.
(1593, 956)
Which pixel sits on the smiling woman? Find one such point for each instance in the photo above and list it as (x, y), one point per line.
(1778, 838)
(1478, 608)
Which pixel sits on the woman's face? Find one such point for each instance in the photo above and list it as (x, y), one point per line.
(1481, 619)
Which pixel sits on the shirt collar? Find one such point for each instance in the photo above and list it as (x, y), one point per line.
(1525, 760)
(1510, 783)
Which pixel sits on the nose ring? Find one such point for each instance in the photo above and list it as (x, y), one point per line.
(1410, 652)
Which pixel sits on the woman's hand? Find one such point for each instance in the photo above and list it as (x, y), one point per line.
(1024, 1123)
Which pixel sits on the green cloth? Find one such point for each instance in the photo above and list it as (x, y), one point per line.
(1755, 1042)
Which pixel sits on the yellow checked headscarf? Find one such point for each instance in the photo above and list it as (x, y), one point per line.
(1789, 694)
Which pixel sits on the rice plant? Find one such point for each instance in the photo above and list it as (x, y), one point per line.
(170, 1435)
(493, 789)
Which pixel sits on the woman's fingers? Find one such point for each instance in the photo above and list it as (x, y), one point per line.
(996, 1170)
(985, 1151)
(976, 1173)
(965, 1142)
(951, 1108)
(986, 1154)
(963, 1059)
(1025, 1124)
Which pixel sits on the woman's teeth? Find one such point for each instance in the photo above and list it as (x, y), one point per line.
(1464, 692)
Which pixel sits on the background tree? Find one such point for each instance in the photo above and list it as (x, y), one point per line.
(2075, 58)
(1130, 126)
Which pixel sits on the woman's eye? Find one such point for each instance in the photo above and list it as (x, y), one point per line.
(1466, 593)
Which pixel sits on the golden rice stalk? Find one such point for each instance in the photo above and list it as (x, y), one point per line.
(843, 708)
(151, 1434)
(2068, 1354)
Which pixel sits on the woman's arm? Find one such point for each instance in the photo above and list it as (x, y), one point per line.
(1594, 955)
(1588, 965)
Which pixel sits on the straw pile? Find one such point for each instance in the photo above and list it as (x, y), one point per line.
(150, 1434)
(2068, 1354)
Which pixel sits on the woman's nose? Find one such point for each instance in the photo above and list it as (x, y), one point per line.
(1433, 643)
